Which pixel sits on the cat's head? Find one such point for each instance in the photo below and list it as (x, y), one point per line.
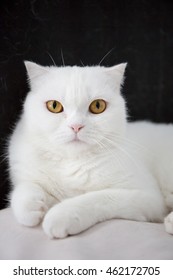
(75, 108)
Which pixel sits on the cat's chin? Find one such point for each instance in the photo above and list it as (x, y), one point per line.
(75, 140)
(77, 143)
(76, 147)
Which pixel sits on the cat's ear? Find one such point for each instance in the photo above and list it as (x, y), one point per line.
(117, 74)
(34, 70)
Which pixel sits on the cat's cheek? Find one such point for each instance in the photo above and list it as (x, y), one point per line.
(59, 222)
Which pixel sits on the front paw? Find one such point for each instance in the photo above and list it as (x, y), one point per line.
(29, 209)
(61, 221)
(169, 223)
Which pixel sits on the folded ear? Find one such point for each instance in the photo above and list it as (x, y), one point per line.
(34, 70)
(117, 74)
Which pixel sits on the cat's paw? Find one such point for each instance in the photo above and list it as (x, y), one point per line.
(29, 209)
(61, 221)
(169, 223)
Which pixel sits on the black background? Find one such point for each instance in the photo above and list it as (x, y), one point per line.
(138, 32)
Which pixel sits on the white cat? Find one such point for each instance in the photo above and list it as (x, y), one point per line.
(75, 161)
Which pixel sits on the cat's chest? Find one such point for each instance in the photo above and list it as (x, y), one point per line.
(68, 177)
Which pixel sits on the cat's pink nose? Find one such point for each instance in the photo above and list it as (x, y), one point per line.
(77, 127)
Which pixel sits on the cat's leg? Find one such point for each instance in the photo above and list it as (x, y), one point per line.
(169, 223)
(29, 203)
(77, 214)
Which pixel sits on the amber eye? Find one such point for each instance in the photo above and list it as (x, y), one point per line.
(54, 106)
(97, 106)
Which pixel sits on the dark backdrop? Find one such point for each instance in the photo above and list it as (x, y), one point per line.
(139, 32)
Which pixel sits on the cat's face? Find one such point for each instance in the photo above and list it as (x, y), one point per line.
(75, 108)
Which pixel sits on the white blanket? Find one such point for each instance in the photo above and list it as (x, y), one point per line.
(114, 239)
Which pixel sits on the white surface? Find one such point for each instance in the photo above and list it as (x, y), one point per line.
(114, 239)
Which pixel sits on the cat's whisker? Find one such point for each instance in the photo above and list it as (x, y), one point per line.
(106, 55)
(109, 149)
(51, 58)
(132, 144)
(129, 141)
(62, 57)
(122, 150)
(82, 63)
(4, 158)
(136, 147)
(58, 136)
(148, 153)
(132, 159)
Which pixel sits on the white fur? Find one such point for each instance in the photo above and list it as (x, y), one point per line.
(115, 170)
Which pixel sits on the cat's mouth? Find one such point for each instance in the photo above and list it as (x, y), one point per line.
(76, 139)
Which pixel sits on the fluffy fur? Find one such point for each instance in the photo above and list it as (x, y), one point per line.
(107, 169)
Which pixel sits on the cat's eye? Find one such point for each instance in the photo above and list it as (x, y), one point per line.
(54, 106)
(97, 106)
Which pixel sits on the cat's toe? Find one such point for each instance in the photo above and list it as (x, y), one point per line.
(55, 227)
(30, 213)
(54, 230)
(31, 218)
(169, 223)
(59, 223)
